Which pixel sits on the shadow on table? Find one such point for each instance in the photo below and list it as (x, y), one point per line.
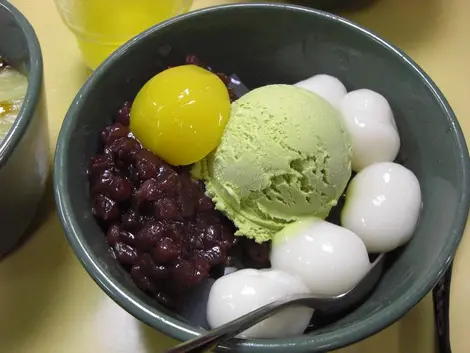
(29, 278)
(333, 5)
(154, 341)
(407, 24)
(417, 332)
(407, 336)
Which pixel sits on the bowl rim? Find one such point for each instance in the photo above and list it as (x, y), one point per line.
(184, 331)
(33, 91)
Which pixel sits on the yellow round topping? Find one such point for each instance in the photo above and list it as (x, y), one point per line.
(181, 113)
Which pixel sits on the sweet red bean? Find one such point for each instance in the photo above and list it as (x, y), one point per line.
(159, 222)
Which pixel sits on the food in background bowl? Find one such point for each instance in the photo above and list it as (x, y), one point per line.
(13, 86)
(183, 175)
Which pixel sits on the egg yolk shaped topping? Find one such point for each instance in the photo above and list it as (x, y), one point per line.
(181, 113)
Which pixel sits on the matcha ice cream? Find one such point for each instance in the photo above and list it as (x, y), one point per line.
(284, 155)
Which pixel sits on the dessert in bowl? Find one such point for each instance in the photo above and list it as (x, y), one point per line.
(157, 214)
(13, 87)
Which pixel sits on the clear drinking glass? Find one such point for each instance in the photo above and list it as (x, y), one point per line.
(101, 26)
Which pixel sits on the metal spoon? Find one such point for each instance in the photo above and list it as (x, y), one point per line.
(212, 338)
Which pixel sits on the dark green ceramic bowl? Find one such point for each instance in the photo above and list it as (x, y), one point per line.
(24, 151)
(266, 44)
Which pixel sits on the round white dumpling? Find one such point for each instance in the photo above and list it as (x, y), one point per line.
(382, 206)
(241, 292)
(327, 87)
(328, 258)
(372, 127)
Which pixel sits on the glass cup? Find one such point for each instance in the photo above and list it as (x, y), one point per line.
(101, 26)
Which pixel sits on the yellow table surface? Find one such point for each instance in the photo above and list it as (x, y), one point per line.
(49, 304)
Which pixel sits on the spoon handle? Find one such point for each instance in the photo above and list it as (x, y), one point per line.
(212, 338)
(441, 299)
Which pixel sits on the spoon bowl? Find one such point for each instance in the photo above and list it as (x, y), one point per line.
(336, 303)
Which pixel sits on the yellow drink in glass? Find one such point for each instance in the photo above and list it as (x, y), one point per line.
(101, 26)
